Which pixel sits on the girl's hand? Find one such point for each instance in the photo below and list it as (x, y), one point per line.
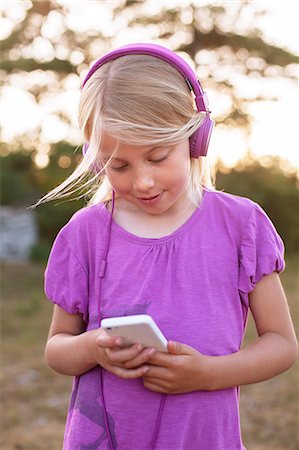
(181, 370)
(123, 362)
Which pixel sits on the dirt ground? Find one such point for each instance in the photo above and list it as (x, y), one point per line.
(35, 399)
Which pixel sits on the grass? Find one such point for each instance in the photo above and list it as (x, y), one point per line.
(35, 399)
(269, 410)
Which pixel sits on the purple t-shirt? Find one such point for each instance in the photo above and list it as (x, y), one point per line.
(195, 284)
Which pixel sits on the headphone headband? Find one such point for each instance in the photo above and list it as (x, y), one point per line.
(200, 139)
(166, 55)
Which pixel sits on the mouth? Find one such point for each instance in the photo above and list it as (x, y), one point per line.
(152, 199)
(149, 198)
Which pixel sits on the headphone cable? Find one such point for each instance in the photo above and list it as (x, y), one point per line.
(101, 276)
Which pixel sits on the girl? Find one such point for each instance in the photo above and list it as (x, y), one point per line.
(158, 239)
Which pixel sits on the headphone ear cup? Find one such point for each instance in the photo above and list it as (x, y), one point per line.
(200, 139)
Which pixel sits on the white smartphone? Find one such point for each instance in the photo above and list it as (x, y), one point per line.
(140, 328)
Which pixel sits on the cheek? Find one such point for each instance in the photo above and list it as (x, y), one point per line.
(120, 183)
(178, 173)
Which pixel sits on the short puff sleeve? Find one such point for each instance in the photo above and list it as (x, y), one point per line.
(65, 279)
(261, 250)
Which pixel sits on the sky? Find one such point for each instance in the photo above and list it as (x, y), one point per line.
(274, 123)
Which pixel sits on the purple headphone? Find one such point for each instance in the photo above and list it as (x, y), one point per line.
(199, 141)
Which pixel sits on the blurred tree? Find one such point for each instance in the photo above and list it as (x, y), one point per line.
(22, 185)
(16, 188)
(45, 51)
(54, 215)
(47, 40)
(263, 181)
(277, 192)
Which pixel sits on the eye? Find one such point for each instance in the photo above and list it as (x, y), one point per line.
(159, 160)
(118, 169)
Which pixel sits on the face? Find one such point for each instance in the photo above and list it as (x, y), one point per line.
(149, 179)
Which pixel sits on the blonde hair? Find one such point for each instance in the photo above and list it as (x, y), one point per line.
(140, 100)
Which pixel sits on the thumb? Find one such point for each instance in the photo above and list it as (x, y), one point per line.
(176, 348)
(106, 341)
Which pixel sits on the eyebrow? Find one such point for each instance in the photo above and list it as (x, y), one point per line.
(107, 158)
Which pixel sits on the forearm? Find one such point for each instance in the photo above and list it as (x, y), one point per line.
(270, 355)
(71, 354)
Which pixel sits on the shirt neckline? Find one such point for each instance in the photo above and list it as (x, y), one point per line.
(127, 235)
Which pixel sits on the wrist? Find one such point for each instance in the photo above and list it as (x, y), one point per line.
(93, 351)
(204, 374)
(209, 373)
(212, 373)
(224, 371)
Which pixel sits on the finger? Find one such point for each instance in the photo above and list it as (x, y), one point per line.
(156, 381)
(106, 341)
(140, 359)
(155, 387)
(139, 372)
(176, 348)
(124, 354)
(162, 359)
(172, 347)
(158, 373)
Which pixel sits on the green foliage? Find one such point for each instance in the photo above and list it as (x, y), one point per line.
(16, 187)
(23, 183)
(271, 188)
(52, 216)
(253, 43)
(40, 251)
(29, 64)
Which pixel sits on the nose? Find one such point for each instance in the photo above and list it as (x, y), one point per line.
(143, 180)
